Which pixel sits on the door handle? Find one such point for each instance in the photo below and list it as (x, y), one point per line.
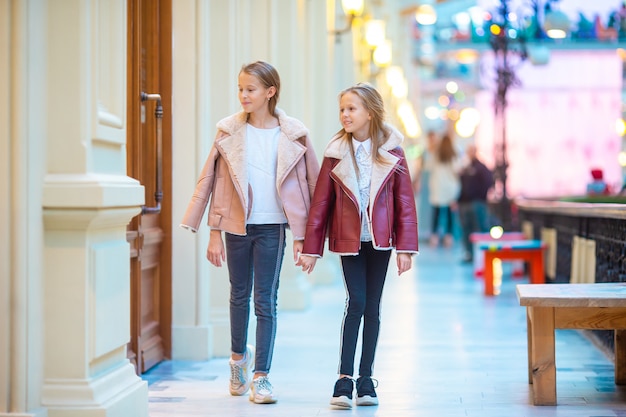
(158, 116)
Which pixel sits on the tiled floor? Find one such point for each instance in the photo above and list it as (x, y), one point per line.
(445, 350)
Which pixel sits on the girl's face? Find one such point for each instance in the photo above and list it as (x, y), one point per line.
(354, 117)
(253, 95)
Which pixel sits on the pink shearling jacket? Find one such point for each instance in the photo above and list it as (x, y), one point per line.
(224, 178)
(335, 211)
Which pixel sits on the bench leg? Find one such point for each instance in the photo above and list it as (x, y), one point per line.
(488, 273)
(620, 357)
(542, 359)
(529, 337)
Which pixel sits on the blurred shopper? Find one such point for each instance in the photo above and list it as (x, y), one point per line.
(476, 180)
(444, 187)
(364, 201)
(421, 173)
(259, 176)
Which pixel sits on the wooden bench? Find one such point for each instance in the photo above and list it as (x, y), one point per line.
(531, 251)
(569, 306)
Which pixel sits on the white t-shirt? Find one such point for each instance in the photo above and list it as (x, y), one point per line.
(262, 157)
(365, 179)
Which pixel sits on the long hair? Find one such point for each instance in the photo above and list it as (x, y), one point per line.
(268, 76)
(445, 151)
(373, 103)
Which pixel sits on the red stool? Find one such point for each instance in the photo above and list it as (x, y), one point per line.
(530, 251)
(479, 260)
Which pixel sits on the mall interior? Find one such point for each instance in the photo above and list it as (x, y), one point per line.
(108, 110)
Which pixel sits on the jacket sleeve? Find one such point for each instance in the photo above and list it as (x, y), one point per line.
(323, 201)
(202, 193)
(405, 215)
(312, 166)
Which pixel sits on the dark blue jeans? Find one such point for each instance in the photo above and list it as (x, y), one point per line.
(446, 212)
(255, 260)
(364, 276)
(474, 216)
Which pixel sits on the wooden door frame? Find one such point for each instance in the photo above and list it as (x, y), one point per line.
(165, 44)
(134, 63)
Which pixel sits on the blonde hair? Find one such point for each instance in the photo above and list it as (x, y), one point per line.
(373, 103)
(268, 76)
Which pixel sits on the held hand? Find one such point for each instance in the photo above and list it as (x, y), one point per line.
(297, 249)
(404, 261)
(307, 263)
(215, 252)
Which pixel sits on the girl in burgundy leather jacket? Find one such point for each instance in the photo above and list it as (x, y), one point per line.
(364, 204)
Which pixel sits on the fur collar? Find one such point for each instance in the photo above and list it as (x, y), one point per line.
(339, 148)
(231, 143)
(292, 128)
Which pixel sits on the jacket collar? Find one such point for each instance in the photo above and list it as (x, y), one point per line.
(231, 143)
(339, 148)
(292, 128)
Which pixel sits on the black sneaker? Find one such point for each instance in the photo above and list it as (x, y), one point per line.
(366, 395)
(342, 395)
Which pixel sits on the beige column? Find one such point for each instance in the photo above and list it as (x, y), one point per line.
(212, 40)
(87, 202)
(205, 90)
(287, 54)
(6, 317)
(21, 162)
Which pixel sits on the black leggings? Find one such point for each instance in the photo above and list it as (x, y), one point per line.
(447, 225)
(364, 277)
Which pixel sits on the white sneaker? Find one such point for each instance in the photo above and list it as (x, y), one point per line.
(240, 372)
(261, 391)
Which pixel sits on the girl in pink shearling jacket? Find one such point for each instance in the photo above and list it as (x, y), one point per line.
(259, 179)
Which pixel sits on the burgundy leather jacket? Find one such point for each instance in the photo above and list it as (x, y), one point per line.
(335, 207)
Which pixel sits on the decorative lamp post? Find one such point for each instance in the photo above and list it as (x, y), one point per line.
(509, 48)
(508, 36)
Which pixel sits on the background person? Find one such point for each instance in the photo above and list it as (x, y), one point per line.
(476, 180)
(444, 187)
